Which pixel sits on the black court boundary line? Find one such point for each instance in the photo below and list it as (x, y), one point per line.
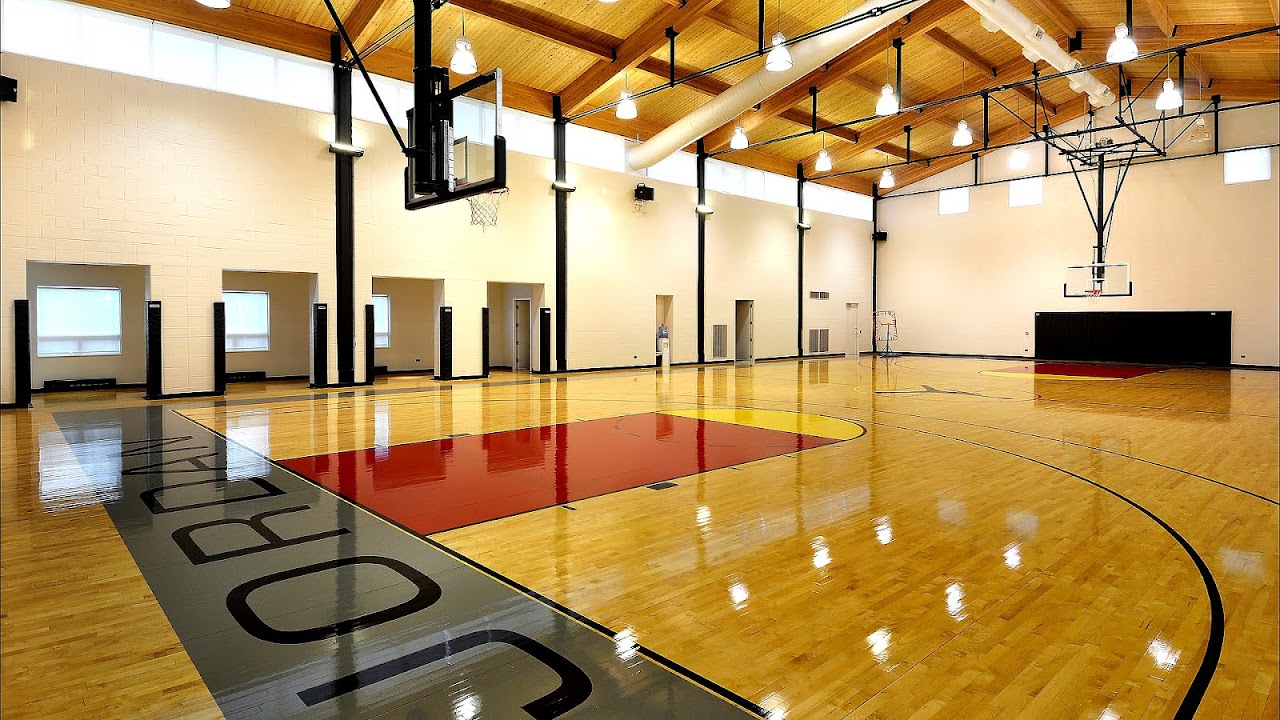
(1217, 615)
(670, 665)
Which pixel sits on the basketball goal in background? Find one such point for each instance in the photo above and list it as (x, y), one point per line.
(1094, 280)
(886, 331)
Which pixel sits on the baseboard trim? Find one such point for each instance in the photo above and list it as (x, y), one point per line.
(175, 396)
(460, 377)
(339, 386)
(14, 406)
(1031, 358)
(117, 386)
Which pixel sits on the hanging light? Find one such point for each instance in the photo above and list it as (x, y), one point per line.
(216, 4)
(1170, 98)
(1019, 159)
(626, 109)
(463, 61)
(888, 102)
(963, 136)
(1122, 48)
(739, 140)
(779, 58)
(1200, 133)
(886, 179)
(823, 163)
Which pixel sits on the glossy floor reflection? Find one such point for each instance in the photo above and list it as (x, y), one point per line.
(444, 484)
(991, 546)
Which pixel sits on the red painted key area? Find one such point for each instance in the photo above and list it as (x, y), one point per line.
(1080, 370)
(431, 487)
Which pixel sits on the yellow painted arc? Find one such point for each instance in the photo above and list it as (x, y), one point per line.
(780, 420)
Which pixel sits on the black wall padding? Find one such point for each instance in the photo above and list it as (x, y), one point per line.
(484, 341)
(320, 345)
(369, 364)
(1161, 338)
(544, 340)
(444, 363)
(220, 348)
(155, 363)
(22, 353)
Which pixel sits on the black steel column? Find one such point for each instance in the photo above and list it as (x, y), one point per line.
(220, 348)
(562, 240)
(319, 345)
(22, 353)
(155, 364)
(369, 359)
(702, 253)
(484, 341)
(875, 264)
(800, 259)
(344, 214)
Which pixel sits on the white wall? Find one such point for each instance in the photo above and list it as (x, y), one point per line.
(289, 304)
(130, 365)
(972, 283)
(107, 168)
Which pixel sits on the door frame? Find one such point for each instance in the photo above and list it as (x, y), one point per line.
(515, 333)
(852, 328)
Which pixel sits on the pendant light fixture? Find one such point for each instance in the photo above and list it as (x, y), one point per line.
(1019, 159)
(626, 109)
(779, 58)
(463, 61)
(887, 180)
(739, 140)
(1123, 49)
(888, 102)
(963, 136)
(215, 4)
(1170, 98)
(1200, 133)
(823, 163)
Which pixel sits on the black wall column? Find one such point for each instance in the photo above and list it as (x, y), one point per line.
(875, 262)
(22, 353)
(369, 359)
(155, 364)
(444, 354)
(544, 340)
(702, 253)
(344, 213)
(484, 341)
(562, 242)
(320, 345)
(800, 259)
(220, 348)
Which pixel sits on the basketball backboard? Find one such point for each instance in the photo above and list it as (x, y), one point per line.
(457, 149)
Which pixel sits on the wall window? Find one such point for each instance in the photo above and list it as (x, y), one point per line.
(75, 321)
(954, 201)
(1245, 166)
(1026, 192)
(381, 321)
(248, 320)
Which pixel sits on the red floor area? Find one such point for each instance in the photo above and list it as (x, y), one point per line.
(444, 484)
(1080, 370)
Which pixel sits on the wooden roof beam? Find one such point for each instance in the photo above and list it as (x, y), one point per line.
(1099, 39)
(1059, 15)
(939, 37)
(362, 22)
(921, 20)
(1229, 89)
(556, 30)
(642, 43)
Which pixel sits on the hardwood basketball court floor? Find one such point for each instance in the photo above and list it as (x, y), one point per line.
(861, 537)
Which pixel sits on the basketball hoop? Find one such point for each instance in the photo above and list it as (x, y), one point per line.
(484, 207)
(1093, 292)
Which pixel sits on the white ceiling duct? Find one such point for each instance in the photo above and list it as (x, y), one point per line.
(1037, 45)
(806, 56)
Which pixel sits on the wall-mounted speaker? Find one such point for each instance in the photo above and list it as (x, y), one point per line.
(880, 235)
(644, 193)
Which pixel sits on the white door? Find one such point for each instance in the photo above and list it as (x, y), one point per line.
(852, 339)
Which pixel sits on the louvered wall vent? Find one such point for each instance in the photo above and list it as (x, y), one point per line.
(819, 340)
(719, 342)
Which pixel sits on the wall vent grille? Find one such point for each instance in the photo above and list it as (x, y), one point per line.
(719, 342)
(819, 340)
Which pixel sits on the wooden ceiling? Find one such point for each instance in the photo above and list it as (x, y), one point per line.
(583, 50)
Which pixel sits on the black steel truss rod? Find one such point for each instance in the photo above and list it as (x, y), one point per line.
(342, 30)
(921, 107)
(382, 42)
(1035, 138)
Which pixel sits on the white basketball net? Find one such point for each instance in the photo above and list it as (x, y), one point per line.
(484, 208)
